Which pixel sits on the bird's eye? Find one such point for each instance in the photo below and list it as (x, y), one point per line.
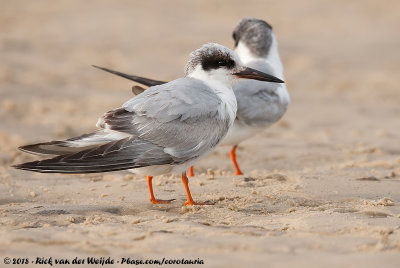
(222, 63)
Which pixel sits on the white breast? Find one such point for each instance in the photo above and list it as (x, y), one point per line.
(221, 83)
(272, 58)
(228, 106)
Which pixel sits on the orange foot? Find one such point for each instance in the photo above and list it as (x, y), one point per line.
(190, 201)
(153, 200)
(160, 201)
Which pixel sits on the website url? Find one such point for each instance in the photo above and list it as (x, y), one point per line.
(51, 261)
(161, 262)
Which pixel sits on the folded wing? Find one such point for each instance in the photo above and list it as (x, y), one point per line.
(167, 124)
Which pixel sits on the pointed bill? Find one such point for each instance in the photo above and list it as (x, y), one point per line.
(250, 73)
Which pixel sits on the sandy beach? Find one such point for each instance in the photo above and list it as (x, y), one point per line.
(321, 187)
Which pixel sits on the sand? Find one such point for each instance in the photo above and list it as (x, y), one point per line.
(321, 187)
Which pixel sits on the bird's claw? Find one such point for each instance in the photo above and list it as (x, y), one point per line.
(160, 201)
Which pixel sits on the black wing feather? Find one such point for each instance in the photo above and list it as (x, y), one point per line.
(59, 147)
(122, 154)
(141, 80)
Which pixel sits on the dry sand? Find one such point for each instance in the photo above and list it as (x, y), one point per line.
(321, 188)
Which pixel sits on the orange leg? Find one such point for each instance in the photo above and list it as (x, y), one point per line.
(233, 158)
(191, 172)
(190, 201)
(152, 198)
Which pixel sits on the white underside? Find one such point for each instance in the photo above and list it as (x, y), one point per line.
(163, 169)
(239, 132)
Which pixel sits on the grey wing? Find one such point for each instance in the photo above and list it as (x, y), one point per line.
(259, 103)
(168, 124)
(178, 116)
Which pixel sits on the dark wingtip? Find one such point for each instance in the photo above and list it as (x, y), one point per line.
(30, 149)
(16, 166)
(25, 148)
(29, 166)
(22, 166)
(107, 70)
(98, 67)
(138, 79)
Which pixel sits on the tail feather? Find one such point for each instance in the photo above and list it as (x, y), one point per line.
(34, 166)
(70, 146)
(52, 148)
(122, 154)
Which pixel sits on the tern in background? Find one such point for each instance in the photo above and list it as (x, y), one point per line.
(260, 104)
(165, 129)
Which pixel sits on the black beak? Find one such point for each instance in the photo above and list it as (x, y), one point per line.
(250, 73)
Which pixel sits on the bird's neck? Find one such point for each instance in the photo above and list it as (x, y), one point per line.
(221, 84)
(272, 57)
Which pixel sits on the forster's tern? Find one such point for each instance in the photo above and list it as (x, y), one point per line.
(165, 129)
(260, 104)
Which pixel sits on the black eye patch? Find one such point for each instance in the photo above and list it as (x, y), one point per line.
(209, 63)
(222, 63)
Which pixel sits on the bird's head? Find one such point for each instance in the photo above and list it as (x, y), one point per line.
(216, 62)
(257, 35)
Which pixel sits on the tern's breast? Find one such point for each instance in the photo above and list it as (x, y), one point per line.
(228, 106)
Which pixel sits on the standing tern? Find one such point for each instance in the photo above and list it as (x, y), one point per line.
(165, 129)
(260, 104)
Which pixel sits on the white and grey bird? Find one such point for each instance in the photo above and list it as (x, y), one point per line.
(260, 104)
(165, 129)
